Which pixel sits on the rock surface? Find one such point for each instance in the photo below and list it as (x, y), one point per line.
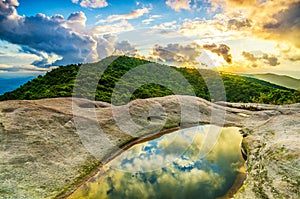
(48, 146)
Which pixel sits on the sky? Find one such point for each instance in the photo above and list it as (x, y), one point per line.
(240, 36)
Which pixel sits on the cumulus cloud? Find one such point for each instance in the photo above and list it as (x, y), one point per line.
(271, 60)
(108, 45)
(220, 50)
(76, 21)
(47, 34)
(178, 5)
(105, 45)
(125, 48)
(185, 55)
(132, 15)
(91, 3)
(59, 41)
(8, 10)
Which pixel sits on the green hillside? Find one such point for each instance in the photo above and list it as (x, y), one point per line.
(132, 83)
(282, 80)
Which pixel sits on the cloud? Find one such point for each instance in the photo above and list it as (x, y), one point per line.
(17, 58)
(151, 19)
(288, 51)
(108, 45)
(249, 56)
(44, 59)
(166, 25)
(125, 48)
(243, 3)
(178, 5)
(112, 28)
(147, 21)
(235, 4)
(213, 30)
(251, 59)
(238, 24)
(155, 16)
(272, 20)
(91, 3)
(55, 40)
(105, 45)
(48, 34)
(76, 21)
(184, 55)
(286, 24)
(132, 15)
(24, 68)
(271, 60)
(8, 9)
(221, 50)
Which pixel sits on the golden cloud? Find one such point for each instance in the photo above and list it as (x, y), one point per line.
(275, 20)
(220, 50)
(271, 60)
(183, 55)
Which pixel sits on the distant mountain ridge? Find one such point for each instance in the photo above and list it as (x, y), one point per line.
(60, 83)
(282, 80)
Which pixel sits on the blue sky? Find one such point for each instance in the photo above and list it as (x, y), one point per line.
(230, 35)
(65, 7)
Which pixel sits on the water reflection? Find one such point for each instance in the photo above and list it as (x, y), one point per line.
(171, 167)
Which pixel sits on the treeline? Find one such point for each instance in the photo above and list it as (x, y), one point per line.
(121, 79)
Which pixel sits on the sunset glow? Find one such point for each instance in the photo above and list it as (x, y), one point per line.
(238, 36)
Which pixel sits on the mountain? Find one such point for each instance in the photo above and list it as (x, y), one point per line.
(122, 79)
(282, 80)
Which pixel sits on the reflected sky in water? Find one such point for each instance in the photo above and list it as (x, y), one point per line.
(172, 166)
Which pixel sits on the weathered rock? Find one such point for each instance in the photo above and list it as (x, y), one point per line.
(47, 146)
(271, 141)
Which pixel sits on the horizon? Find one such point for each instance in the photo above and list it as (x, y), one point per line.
(9, 83)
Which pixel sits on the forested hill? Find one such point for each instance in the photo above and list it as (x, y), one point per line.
(60, 83)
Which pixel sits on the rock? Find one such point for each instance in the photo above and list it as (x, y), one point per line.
(49, 146)
(271, 141)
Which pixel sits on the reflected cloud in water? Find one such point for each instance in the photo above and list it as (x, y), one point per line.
(171, 166)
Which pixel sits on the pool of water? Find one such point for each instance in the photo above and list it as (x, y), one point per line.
(199, 162)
